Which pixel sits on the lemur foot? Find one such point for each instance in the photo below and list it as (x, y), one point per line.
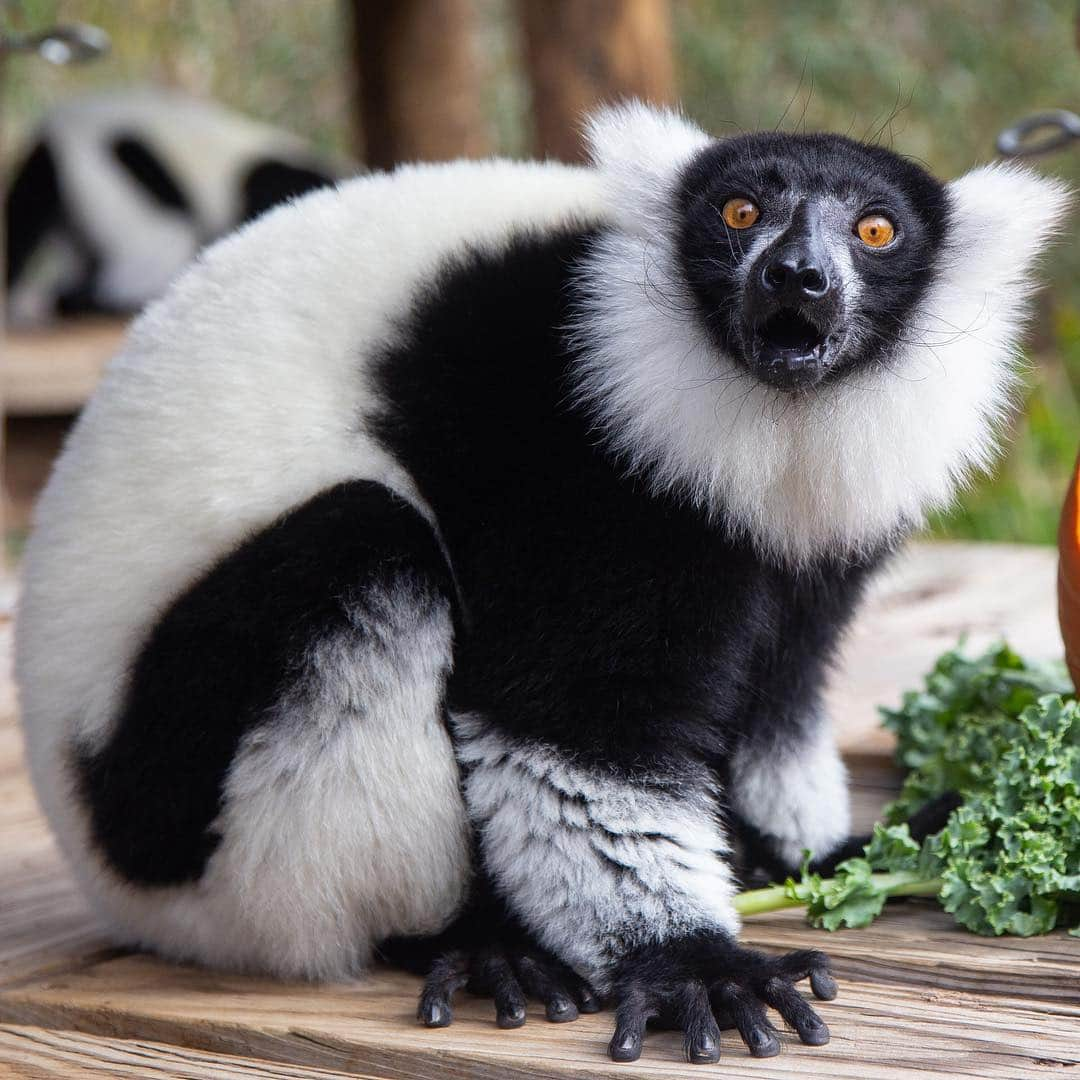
(509, 976)
(702, 985)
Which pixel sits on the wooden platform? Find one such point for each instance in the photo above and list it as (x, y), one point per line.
(52, 371)
(918, 997)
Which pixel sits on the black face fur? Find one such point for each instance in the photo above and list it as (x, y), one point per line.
(797, 297)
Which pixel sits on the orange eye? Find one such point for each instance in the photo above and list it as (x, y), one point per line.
(876, 230)
(740, 213)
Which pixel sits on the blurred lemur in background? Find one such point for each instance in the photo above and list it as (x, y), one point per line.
(449, 565)
(117, 192)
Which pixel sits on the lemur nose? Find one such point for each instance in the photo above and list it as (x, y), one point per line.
(796, 275)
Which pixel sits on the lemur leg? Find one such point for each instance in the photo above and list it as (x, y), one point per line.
(790, 794)
(624, 880)
(279, 791)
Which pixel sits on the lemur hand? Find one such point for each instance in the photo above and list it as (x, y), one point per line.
(702, 984)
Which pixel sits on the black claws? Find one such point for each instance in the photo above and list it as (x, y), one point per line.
(683, 992)
(509, 978)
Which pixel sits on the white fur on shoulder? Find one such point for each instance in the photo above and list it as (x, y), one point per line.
(838, 470)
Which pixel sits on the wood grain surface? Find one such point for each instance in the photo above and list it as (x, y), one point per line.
(918, 996)
(46, 372)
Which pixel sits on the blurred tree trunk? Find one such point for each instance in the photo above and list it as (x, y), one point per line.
(417, 81)
(583, 52)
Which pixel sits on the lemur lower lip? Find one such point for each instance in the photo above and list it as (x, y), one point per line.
(787, 335)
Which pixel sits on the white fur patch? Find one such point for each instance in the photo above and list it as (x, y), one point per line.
(846, 467)
(795, 793)
(594, 864)
(342, 821)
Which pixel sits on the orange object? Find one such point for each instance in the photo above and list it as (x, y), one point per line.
(1069, 578)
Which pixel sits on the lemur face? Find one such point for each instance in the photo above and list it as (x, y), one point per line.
(808, 255)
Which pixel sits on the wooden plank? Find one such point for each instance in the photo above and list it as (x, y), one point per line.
(882, 1028)
(929, 597)
(919, 945)
(45, 923)
(54, 371)
(27, 1052)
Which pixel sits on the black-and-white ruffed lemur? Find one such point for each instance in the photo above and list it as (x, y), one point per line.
(118, 191)
(449, 564)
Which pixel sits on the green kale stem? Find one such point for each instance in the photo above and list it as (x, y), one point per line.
(775, 897)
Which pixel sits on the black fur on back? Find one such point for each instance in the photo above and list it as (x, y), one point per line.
(626, 629)
(149, 172)
(32, 208)
(268, 183)
(623, 627)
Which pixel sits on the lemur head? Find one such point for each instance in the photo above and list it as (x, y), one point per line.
(808, 254)
(810, 337)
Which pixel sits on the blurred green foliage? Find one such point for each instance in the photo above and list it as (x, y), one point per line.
(280, 60)
(935, 79)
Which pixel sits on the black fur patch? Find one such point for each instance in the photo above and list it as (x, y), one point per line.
(33, 207)
(149, 172)
(626, 629)
(777, 170)
(222, 655)
(269, 183)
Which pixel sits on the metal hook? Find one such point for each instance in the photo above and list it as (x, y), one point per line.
(73, 43)
(1022, 138)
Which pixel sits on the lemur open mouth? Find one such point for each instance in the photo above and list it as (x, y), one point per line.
(787, 335)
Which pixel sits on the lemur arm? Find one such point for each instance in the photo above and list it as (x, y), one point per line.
(788, 793)
(787, 796)
(626, 881)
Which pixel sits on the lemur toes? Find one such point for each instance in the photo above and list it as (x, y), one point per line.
(448, 974)
(771, 979)
(703, 985)
(494, 977)
(679, 1003)
(737, 1007)
(510, 979)
(547, 986)
(701, 1033)
(631, 1016)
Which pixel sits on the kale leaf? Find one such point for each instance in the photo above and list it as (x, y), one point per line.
(1005, 735)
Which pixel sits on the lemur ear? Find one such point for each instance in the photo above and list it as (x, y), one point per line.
(1003, 218)
(639, 150)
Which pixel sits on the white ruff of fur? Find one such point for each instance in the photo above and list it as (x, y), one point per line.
(836, 471)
